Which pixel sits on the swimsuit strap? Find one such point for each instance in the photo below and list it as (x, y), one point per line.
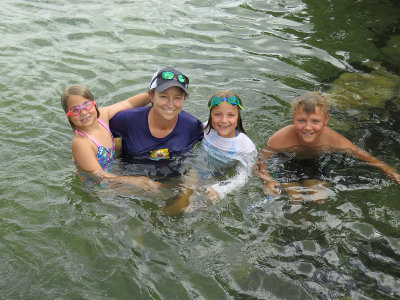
(105, 126)
(89, 137)
(92, 138)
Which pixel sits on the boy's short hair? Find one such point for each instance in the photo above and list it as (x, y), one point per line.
(308, 101)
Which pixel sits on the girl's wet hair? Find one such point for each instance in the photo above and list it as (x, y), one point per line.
(308, 101)
(226, 94)
(77, 90)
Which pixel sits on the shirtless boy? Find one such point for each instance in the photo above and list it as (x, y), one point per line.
(309, 134)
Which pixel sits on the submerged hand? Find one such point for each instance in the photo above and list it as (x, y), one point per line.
(395, 176)
(272, 187)
(213, 194)
(145, 183)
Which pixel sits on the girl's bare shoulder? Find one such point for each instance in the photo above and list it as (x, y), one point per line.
(104, 115)
(80, 142)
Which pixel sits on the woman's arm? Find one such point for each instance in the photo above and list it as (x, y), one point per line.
(142, 182)
(135, 101)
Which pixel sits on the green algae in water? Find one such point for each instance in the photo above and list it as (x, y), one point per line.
(392, 50)
(361, 91)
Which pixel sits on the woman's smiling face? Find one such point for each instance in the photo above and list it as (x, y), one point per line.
(168, 104)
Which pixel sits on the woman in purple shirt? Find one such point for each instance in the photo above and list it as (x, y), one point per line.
(162, 131)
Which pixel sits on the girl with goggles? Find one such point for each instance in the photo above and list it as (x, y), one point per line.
(76, 110)
(93, 146)
(215, 101)
(225, 144)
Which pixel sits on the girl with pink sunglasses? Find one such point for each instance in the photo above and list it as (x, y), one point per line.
(93, 146)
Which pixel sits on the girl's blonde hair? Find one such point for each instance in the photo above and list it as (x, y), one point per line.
(308, 101)
(225, 94)
(79, 90)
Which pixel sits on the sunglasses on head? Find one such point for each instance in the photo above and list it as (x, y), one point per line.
(76, 110)
(232, 100)
(168, 75)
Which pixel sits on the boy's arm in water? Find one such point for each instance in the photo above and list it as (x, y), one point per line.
(373, 161)
(85, 156)
(261, 170)
(135, 101)
(339, 142)
(282, 139)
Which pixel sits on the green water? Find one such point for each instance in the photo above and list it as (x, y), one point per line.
(60, 241)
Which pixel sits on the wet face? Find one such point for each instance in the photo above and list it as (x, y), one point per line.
(309, 127)
(224, 118)
(85, 117)
(168, 104)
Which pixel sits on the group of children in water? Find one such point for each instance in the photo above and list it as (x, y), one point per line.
(163, 131)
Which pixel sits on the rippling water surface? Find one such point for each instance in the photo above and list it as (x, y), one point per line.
(60, 241)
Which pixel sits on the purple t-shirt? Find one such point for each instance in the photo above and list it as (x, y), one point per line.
(137, 141)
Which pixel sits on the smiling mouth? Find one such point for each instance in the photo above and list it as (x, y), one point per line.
(169, 110)
(223, 126)
(85, 119)
(308, 133)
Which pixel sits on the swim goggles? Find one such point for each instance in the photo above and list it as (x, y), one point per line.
(76, 110)
(232, 100)
(168, 75)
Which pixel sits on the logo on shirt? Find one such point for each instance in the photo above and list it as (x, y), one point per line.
(159, 154)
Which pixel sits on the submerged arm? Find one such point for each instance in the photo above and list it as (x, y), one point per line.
(142, 182)
(221, 189)
(373, 161)
(261, 169)
(85, 156)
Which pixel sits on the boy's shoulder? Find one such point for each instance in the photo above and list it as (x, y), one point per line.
(335, 140)
(283, 138)
(287, 138)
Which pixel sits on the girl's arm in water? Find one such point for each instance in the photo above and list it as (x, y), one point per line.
(261, 169)
(373, 161)
(85, 155)
(244, 169)
(135, 101)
